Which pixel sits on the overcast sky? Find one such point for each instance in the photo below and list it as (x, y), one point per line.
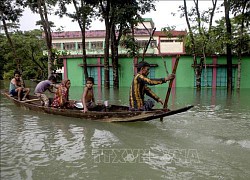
(161, 17)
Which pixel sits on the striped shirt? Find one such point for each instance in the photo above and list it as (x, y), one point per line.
(139, 88)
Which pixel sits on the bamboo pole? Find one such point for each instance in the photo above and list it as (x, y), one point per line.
(171, 82)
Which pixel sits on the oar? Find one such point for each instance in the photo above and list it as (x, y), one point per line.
(30, 100)
(165, 105)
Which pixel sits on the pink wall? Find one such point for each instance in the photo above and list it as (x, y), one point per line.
(214, 72)
(99, 72)
(65, 74)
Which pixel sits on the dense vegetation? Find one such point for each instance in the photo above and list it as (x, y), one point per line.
(29, 47)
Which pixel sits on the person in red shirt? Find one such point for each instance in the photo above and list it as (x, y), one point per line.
(61, 97)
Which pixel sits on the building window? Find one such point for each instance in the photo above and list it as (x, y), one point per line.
(142, 43)
(151, 74)
(80, 46)
(206, 77)
(92, 72)
(69, 46)
(57, 46)
(221, 78)
(110, 76)
(153, 44)
(167, 40)
(171, 40)
(96, 45)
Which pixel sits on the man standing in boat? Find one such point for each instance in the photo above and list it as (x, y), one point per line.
(139, 88)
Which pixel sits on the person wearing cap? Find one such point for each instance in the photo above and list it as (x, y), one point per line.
(139, 88)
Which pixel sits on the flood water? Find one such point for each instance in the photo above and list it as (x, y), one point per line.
(210, 141)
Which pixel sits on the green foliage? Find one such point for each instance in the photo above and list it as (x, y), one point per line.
(33, 5)
(215, 38)
(8, 75)
(29, 47)
(83, 14)
(217, 43)
(125, 15)
(132, 47)
(58, 62)
(241, 10)
(168, 30)
(29, 73)
(11, 10)
(6, 57)
(2, 62)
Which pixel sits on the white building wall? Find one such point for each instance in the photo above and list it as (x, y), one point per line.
(147, 24)
(166, 44)
(68, 40)
(171, 47)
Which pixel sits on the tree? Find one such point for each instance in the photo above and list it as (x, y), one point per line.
(239, 38)
(218, 39)
(43, 8)
(83, 14)
(126, 14)
(241, 9)
(29, 47)
(228, 45)
(3, 61)
(123, 12)
(199, 35)
(111, 11)
(104, 10)
(33, 46)
(11, 11)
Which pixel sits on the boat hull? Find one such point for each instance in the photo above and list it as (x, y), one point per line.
(114, 113)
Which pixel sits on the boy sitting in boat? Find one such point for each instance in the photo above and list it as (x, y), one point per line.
(88, 99)
(43, 86)
(17, 87)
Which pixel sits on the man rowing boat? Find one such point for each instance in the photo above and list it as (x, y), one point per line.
(139, 88)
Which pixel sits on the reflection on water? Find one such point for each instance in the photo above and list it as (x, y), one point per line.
(212, 140)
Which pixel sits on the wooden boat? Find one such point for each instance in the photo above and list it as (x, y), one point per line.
(112, 113)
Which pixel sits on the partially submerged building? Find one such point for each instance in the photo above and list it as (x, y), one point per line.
(162, 49)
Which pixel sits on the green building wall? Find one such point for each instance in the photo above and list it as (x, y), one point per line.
(185, 72)
(75, 72)
(184, 76)
(245, 69)
(126, 71)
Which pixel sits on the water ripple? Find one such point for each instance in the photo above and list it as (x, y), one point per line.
(102, 139)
